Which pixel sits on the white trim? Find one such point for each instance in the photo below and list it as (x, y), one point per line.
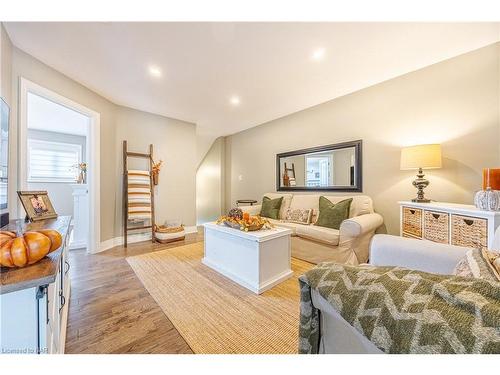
(191, 229)
(137, 237)
(93, 150)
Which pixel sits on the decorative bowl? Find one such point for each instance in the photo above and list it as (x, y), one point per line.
(249, 228)
(232, 224)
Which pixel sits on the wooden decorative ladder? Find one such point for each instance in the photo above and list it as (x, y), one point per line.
(149, 156)
(286, 181)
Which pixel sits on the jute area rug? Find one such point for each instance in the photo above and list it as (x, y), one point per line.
(214, 314)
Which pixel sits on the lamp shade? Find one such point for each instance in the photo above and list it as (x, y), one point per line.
(421, 156)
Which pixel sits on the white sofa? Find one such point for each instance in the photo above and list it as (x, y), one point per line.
(338, 336)
(318, 244)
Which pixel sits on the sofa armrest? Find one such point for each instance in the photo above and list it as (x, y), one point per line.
(359, 225)
(421, 255)
(355, 235)
(252, 210)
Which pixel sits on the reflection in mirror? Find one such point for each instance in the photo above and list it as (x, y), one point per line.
(335, 167)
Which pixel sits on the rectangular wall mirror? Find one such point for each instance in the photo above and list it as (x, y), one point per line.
(334, 167)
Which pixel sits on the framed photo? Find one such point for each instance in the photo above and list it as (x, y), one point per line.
(37, 205)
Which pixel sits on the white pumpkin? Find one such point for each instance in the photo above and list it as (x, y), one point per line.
(487, 200)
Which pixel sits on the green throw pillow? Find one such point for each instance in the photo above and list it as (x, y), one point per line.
(271, 207)
(331, 215)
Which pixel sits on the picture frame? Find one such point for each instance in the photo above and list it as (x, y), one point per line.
(37, 205)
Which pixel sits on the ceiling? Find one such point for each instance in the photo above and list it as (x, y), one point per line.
(46, 115)
(268, 66)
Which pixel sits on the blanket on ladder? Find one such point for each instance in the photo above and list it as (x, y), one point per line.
(404, 311)
(139, 195)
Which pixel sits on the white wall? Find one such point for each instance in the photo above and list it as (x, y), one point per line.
(209, 184)
(25, 65)
(455, 103)
(174, 142)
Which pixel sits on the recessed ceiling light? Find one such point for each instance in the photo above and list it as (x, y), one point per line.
(234, 100)
(318, 54)
(155, 71)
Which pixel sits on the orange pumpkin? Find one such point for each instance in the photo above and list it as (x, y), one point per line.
(28, 248)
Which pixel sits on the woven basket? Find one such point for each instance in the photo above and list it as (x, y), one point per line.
(436, 226)
(412, 221)
(469, 231)
(163, 229)
(169, 234)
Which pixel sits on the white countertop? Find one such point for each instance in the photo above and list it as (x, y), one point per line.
(450, 207)
(258, 235)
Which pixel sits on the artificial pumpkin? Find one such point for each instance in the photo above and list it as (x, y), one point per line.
(29, 248)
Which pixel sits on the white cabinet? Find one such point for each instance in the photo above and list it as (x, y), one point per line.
(449, 223)
(81, 218)
(34, 300)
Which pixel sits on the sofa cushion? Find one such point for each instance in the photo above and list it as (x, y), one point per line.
(285, 204)
(321, 234)
(271, 207)
(361, 204)
(292, 226)
(332, 215)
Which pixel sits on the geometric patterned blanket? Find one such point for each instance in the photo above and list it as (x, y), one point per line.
(404, 311)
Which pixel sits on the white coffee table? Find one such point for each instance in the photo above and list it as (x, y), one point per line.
(256, 260)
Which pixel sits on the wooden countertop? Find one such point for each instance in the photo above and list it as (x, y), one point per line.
(41, 273)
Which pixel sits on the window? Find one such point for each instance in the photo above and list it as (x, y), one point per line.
(53, 162)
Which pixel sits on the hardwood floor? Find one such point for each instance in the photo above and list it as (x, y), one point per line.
(110, 311)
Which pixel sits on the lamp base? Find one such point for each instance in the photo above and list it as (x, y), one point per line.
(420, 183)
(416, 200)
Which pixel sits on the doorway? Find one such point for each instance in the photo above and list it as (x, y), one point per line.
(58, 138)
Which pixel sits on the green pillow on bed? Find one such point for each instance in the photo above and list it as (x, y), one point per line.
(331, 215)
(271, 207)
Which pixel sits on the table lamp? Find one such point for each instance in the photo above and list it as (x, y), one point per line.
(421, 157)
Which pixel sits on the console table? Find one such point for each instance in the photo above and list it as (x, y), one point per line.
(250, 202)
(34, 300)
(449, 223)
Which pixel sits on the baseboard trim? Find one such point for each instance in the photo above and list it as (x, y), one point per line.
(133, 238)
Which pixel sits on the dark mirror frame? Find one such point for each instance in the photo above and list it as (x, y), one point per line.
(358, 168)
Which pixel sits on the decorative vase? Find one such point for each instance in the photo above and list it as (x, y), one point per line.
(491, 178)
(155, 178)
(488, 199)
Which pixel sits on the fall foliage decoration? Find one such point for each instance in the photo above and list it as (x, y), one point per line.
(246, 222)
(156, 167)
(29, 248)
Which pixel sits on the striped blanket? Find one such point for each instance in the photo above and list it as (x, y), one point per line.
(139, 195)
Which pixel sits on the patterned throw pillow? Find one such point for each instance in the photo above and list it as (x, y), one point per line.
(298, 215)
(479, 264)
(492, 258)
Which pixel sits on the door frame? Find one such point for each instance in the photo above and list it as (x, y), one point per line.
(93, 151)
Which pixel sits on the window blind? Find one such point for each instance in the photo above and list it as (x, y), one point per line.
(53, 162)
